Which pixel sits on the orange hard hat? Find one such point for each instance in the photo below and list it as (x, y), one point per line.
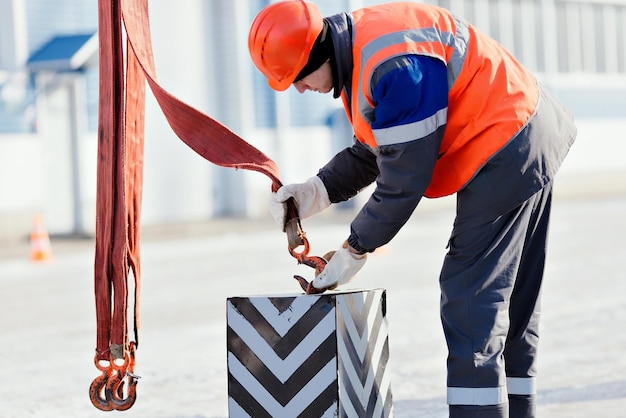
(281, 38)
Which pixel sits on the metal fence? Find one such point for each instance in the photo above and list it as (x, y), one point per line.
(554, 36)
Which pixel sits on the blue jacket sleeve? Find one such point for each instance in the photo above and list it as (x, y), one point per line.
(406, 91)
(351, 170)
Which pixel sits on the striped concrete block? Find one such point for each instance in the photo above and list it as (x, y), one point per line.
(309, 355)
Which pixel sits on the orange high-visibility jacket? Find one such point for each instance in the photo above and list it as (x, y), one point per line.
(491, 95)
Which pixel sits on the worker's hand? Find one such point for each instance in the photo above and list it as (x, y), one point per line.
(341, 268)
(311, 197)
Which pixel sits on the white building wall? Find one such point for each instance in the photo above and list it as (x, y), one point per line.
(21, 183)
(177, 181)
(190, 39)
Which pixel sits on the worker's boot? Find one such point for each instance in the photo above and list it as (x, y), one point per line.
(522, 406)
(476, 411)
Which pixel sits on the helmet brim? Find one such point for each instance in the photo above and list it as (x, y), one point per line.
(279, 85)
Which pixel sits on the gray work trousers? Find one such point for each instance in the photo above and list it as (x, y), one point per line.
(490, 286)
(491, 276)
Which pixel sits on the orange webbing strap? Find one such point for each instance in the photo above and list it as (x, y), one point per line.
(111, 258)
(205, 135)
(118, 208)
(119, 185)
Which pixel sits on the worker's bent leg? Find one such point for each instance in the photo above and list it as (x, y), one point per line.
(477, 281)
(520, 352)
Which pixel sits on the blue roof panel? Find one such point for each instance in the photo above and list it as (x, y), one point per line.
(58, 53)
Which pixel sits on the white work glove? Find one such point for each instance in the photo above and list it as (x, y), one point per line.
(311, 197)
(341, 268)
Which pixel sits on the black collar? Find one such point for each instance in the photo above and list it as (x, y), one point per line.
(340, 26)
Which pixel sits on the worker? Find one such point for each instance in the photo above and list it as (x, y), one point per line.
(437, 108)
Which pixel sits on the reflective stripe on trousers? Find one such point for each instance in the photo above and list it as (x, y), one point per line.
(492, 396)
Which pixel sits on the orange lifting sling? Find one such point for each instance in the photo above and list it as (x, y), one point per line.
(119, 187)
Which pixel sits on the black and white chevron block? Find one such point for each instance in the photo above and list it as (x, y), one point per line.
(309, 356)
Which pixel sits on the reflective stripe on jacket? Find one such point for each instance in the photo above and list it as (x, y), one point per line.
(490, 95)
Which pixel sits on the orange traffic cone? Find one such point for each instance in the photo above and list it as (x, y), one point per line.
(40, 249)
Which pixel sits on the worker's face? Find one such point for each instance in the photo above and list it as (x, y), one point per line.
(320, 80)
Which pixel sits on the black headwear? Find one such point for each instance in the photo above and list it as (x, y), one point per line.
(321, 51)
